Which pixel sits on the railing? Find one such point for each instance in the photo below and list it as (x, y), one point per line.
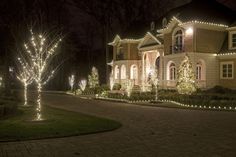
(177, 49)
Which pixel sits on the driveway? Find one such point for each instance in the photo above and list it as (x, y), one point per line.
(146, 132)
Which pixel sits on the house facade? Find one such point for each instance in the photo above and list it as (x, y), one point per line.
(211, 47)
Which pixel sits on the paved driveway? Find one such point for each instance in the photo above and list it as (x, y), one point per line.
(146, 132)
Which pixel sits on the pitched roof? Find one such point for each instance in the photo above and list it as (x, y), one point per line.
(202, 10)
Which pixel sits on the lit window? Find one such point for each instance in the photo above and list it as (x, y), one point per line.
(227, 70)
(199, 71)
(234, 40)
(172, 71)
(178, 41)
(117, 72)
(123, 72)
(133, 72)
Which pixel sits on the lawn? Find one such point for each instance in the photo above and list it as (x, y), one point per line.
(58, 123)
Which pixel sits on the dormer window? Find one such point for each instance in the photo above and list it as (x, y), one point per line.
(232, 40)
(177, 41)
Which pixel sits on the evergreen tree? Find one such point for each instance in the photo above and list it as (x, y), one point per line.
(186, 78)
(93, 79)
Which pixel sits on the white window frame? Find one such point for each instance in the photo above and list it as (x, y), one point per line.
(117, 72)
(231, 40)
(123, 72)
(174, 36)
(221, 69)
(134, 71)
(199, 71)
(172, 72)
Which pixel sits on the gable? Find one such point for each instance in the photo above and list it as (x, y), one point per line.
(149, 40)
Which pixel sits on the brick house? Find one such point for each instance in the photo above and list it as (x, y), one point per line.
(205, 31)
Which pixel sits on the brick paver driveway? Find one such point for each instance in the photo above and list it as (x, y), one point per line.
(146, 132)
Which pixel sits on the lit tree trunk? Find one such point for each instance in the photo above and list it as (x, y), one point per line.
(156, 93)
(25, 94)
(39, 101)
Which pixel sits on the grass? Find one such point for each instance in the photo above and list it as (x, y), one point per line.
(58, 123)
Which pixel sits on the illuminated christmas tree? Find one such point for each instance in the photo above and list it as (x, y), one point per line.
(83, 84)
(155, 81)
(40, 53)
(186, 79)
(72, 82)
(93, 78)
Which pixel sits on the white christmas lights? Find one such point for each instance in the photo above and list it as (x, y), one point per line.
(83, 84)
(72, 82)
(25, 76)
(40, 53)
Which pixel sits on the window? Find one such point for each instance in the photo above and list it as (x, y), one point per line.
(199, 71)
(172, 71)
(123, 72)
(227, 69)
(117, 72)
(178, 41)
(234, 40)
(134, 72)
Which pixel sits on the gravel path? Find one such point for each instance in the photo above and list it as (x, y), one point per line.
(146, 132)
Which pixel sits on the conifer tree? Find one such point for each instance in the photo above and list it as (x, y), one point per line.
(186, 79)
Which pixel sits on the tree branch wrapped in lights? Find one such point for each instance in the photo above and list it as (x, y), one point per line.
(25, 77)
(39, 55)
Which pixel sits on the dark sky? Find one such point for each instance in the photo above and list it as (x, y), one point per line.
(88, 26)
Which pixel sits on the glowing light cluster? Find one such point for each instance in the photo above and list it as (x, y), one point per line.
(72, 81)
(186, 79)
(83, 84)
(155, 81)
(112, 82)
(129, 87)
(40, 53)
(93, 78)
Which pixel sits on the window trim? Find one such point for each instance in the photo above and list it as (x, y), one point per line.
(231, 40)
(221, 70)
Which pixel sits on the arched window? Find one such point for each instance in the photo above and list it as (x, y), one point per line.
(117, 72)
(200, 70)
(123, 72)
(178, 41)
(158, 63)
(172, 71)
(133, 72)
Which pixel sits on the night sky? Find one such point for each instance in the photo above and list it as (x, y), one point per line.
(86, 24)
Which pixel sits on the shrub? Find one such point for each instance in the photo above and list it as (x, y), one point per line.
(117, 86)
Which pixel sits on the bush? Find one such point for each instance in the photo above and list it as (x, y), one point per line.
(116, 86)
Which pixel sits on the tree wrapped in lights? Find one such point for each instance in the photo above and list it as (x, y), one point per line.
(129, 87)
(72, 82)
(111, 81)
(186, 79)
(155, 81)
(83, 84)
(93, 78)
(40, 53)
(25, 76)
